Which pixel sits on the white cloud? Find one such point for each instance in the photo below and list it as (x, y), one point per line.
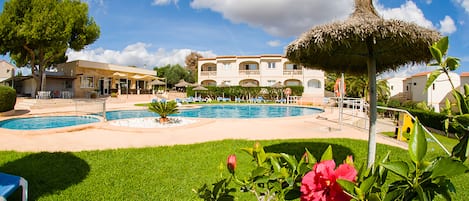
(447, 25)
(274, 43)
(408, 12)
(136, 55)
(407, 71)
(284, 18)
(464, 4)
(428, 1)
(163, 2)
(279, 17)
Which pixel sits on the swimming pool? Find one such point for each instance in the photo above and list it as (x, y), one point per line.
(35, 123)
(223, 111)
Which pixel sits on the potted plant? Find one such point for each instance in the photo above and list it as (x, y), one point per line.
(163, 109)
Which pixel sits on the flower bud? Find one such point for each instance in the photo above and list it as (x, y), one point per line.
(231, 163)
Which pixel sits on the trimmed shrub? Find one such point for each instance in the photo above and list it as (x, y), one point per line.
(430, 119)
(7, 98)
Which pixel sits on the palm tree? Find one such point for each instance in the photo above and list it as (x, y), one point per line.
(357, 86)
(163, 109)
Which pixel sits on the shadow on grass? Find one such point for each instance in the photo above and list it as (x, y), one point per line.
(47, 173)
(297, 149)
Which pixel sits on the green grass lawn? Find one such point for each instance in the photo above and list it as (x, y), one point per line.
(162, 173)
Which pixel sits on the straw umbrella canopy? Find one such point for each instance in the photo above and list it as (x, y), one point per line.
(157, 82)
(199, 88)
(223, 85)
(364, 43)
(278, 85)
(249, 85)
(182, 83)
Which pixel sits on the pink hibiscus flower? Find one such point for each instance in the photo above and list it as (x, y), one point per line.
(320, 183)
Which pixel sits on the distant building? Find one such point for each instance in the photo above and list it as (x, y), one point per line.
(396, 88)
(464, 79)
(264, 70)
(436, 94)
(78, 79)
(7, 71)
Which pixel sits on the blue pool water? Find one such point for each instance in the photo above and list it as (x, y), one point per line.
(223, 111)
(34, 123)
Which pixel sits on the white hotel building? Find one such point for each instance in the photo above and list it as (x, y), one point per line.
(264, 70)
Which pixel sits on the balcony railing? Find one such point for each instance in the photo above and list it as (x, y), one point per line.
(292, 72)
(249, 72)
(208, 73)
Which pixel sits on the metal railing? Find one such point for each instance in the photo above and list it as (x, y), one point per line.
(208, 73)
(249, 72)
(292, 72)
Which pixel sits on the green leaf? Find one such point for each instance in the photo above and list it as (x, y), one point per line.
(311, 158)
(417, 143)
(275, 164)
(421, 194)
(261, 156)
(291, 160)
(466, 90)
(366, 185)
(259, 171)
(432, 78)
(249, 151)
(452, 63)
(346, 185)
(448, 167)
(442, 45)
(460, 101)
(436, 53)
(399, 167)
(327, 155)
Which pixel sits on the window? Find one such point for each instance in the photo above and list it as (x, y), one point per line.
(211, 68)
(251, 66)
(68, 84)
(227, 66)
(292, 83)
(87, 81)
(292, 67)
(227, 82)
(271, 65)
(271, 82)
(314, 83)
(392, 87)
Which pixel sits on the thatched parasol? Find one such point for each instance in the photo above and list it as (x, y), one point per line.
(199, 88)
(157, 82)
(182, 83)
(363, 40)
(223, 84)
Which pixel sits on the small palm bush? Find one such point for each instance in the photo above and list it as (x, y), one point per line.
(164, 109)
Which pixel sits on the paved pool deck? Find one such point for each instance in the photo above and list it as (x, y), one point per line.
(100, 136)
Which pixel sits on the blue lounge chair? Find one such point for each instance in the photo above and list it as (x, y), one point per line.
(9, 183)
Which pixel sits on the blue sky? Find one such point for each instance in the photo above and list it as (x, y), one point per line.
(148, 33)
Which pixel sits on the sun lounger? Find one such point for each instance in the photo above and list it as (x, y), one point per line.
(9, 183)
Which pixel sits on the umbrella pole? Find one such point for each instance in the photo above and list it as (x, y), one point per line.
(371, 64)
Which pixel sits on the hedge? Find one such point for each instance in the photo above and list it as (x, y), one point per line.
(238, 91)
(7, 98)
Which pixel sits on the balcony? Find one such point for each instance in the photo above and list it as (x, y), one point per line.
(292, 72)
(208, 73)
(249, 72)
